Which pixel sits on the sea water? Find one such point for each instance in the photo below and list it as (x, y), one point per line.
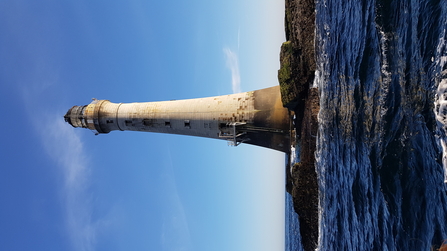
(381, 147)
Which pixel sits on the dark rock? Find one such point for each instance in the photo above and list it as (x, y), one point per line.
(295, 77)
(297, 57)
(305, 181)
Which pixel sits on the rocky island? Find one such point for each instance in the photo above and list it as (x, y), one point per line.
(296, 76)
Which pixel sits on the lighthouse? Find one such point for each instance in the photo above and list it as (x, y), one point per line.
(255, 117)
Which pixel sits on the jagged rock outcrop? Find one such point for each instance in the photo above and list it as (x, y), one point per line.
(296, 75)
(297, 55)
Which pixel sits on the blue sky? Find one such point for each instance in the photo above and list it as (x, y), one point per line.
(66, 189)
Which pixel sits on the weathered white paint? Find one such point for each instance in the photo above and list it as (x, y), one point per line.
(255, 117)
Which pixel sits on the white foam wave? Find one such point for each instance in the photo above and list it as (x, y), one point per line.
(440, 102)
(441, 117)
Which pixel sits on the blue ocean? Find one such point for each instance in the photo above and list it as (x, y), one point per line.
(382, 146)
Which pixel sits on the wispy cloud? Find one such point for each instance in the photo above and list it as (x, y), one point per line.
(233, 65)
(66, 149)
(175, 233)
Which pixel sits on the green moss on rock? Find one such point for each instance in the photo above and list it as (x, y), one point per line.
(286, 80)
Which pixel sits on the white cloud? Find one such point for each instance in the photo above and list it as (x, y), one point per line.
(175, 234)
(233, 65)
(66, 149)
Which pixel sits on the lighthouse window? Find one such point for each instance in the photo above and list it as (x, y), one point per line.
(168, 124)
(187, 124)
(128, 122)
(147, 122)
(109, 121)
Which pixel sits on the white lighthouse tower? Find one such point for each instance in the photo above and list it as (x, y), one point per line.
(255, 117)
